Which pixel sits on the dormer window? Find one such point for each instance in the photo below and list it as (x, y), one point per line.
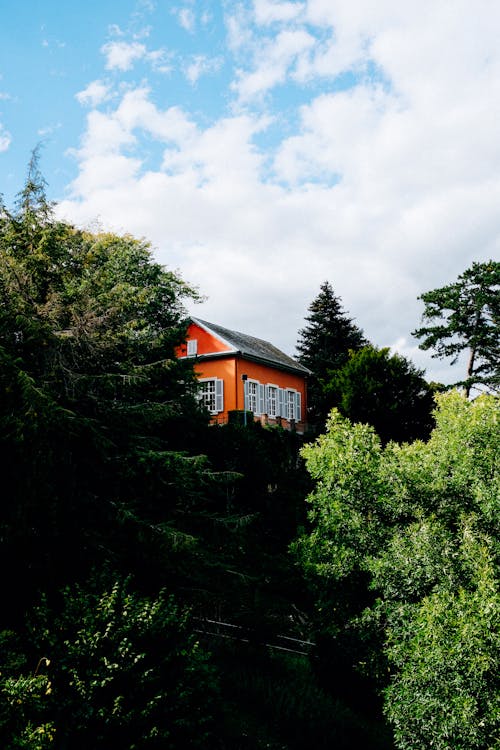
(192, 347)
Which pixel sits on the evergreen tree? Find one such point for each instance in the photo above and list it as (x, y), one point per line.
(324, 345)
(465, 315)
(92, 394)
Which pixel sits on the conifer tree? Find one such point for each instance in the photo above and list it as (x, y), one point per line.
(93, 394)
(464, 316)
(324, 345)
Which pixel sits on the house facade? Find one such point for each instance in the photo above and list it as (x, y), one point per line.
(240, 373)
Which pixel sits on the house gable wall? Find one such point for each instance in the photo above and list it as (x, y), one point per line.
(207, 343)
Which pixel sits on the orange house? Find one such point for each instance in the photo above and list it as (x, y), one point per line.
(238, 372)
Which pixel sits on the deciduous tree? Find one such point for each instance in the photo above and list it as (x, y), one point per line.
(417, 525)
(383, 390)
(115, 669)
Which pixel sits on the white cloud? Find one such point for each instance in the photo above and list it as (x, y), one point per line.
(95, 93)
(147, 5)
(388, 188)
(142, 33)
(200, 65)
(49, 129)
(115, 30)
(273, 60)
(137, 113)
(239, 30)
(105, 134)
(269, 11)
(57, 43)
(122, 55)
(187, 19)
(5, 138)
(159, 60)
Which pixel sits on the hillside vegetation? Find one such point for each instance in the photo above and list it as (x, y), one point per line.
(171, 584)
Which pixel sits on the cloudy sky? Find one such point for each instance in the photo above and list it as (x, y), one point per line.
(266, 146)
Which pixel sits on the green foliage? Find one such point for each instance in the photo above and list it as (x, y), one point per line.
(97, 424)
(324, 346)
(109, 465)
(273, 477)
(385, 391)
(91, 317)
(125, 671)
(445, 659)
(92, 394)
(24, 699)
(345, 464)
(412, 532)
(465, 315)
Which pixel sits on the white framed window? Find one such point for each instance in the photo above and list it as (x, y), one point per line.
(281, 403)
(298, 406)
(212, 394)
(272, 402)
(255, 397)
(192, 347)
(290, 403)
(252, 396)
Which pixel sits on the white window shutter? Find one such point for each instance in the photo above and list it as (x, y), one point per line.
(262, 399)
(266, 397)
(245, 395)
(219, 395)
(297, 407)
(281, 403)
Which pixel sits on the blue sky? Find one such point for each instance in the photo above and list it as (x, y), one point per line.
(50, 52)
(265, 146)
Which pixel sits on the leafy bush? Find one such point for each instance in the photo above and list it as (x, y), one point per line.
(118, 670)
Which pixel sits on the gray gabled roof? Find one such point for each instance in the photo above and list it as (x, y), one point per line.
(253, 348)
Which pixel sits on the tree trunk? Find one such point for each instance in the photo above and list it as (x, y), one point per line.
(470, 370)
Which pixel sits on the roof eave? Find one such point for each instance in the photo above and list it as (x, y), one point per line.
(253, 358)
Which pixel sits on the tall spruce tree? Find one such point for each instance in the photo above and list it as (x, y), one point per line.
(324, 345)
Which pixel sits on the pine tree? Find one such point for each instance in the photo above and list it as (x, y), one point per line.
(324, 345)
(465, 316)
